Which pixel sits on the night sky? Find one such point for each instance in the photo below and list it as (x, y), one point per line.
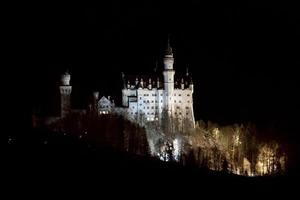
(243, 57)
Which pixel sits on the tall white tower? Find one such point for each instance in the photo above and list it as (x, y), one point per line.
(168, 74)
(65, 94)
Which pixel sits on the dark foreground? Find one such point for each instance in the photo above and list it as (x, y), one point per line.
(54, 160)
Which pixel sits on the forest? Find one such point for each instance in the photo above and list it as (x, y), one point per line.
(235, 149)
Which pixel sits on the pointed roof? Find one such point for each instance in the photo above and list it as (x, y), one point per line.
(169, 50)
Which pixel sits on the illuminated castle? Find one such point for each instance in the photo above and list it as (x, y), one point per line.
(149, 97)
(144, 98)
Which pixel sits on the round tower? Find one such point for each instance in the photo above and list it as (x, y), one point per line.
(65, 94)
(168, 74)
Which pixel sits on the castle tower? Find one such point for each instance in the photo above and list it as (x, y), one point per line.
(168, 74)
(95, 101)
(65, 94)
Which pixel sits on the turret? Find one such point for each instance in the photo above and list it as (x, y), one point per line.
(65, 94)
(142, 83)
(150, 84)
(128, 84)
(182, 84)
(96, 95)
(95, 101)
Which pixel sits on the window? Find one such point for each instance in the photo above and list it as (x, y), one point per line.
(144, 101)
(136, 113)
(155, 101)
(188, 95)
(161, 101)
(132, 107)
(148, 107)
(179, 95)
(132, 113)
(140, 97)
(188, 101)
(175, 94)
(152, 101)
(187, 113)
(161, 94)
(180, 113)
(140, 104)
(174, 101)
(187, 108)
(152, 107)
(179, 101)
(147, 101)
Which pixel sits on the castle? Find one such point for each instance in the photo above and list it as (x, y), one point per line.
(149, 98)
(145, 98)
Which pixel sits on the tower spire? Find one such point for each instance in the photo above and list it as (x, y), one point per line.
(169, 48)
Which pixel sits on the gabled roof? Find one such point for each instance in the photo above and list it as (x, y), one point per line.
(104, 100)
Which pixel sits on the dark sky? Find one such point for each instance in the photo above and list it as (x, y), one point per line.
(243, 57)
